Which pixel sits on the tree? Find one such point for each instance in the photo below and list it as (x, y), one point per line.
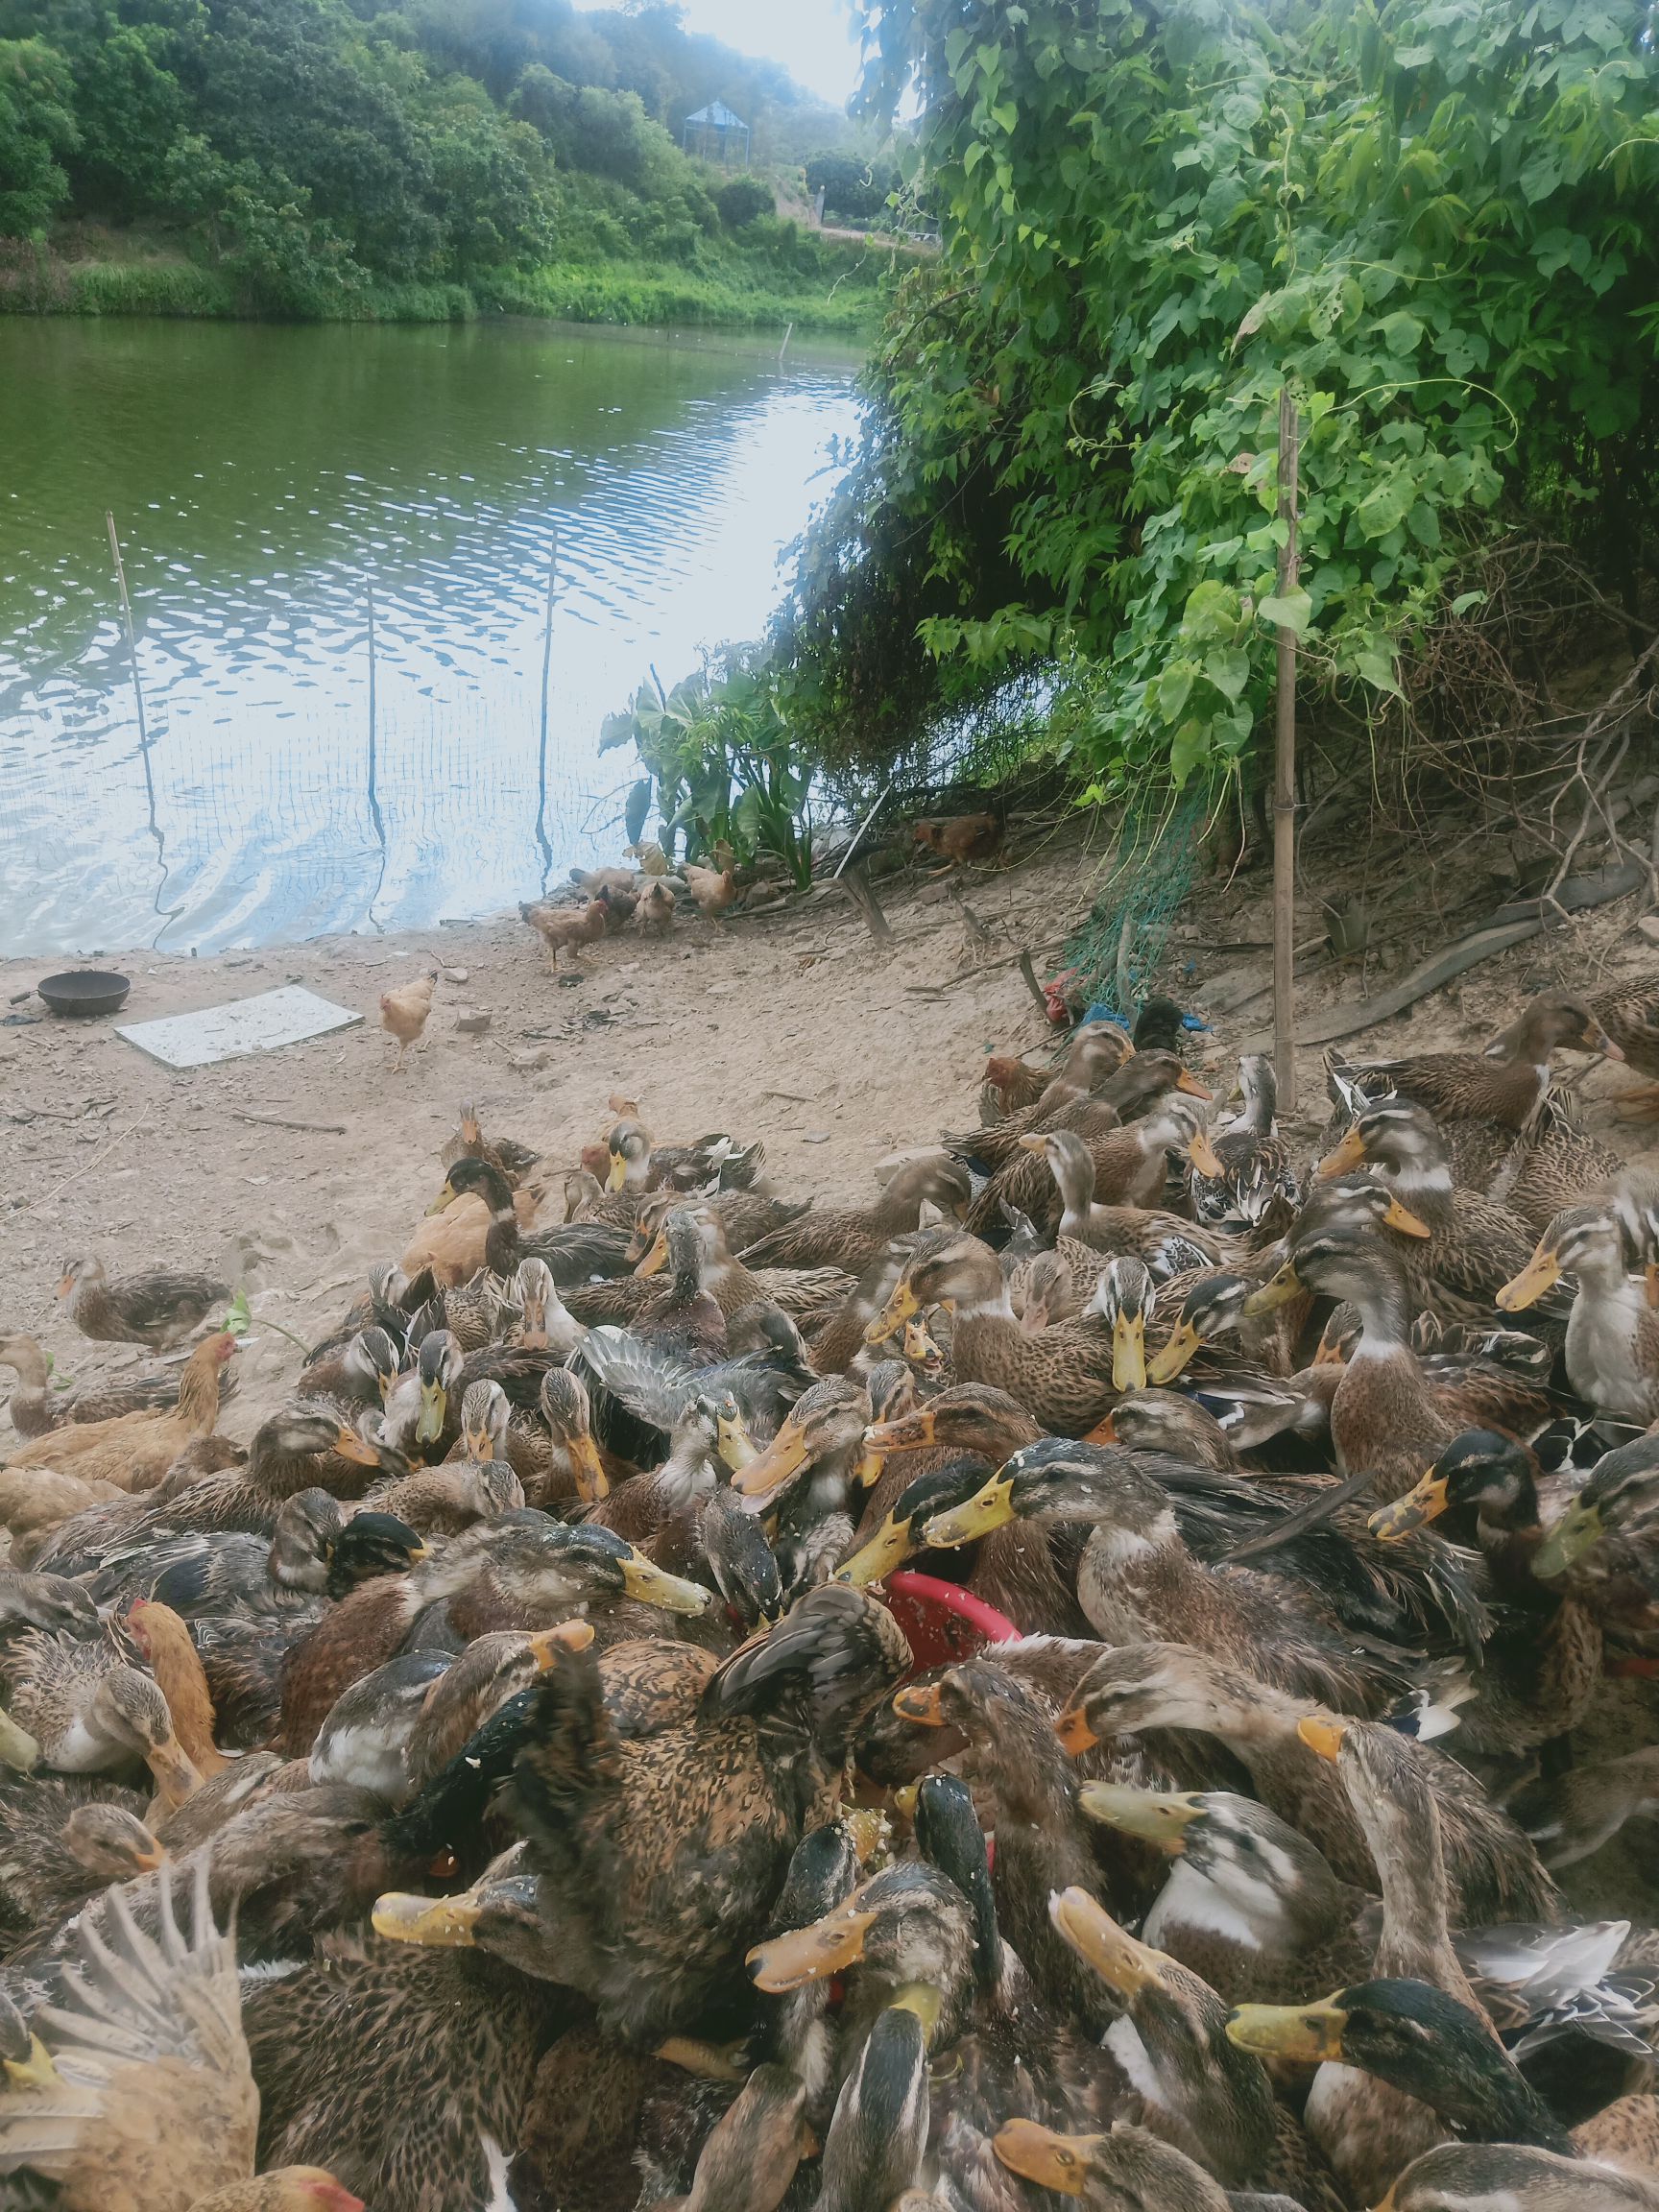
(37, 127)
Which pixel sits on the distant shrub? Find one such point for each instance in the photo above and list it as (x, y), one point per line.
(741, 200)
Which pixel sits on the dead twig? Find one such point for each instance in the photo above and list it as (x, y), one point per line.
(101, 1155)
(276, 1121)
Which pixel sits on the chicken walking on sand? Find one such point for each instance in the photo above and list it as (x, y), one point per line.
(404, 1013)
(713, 889)
(568, 928)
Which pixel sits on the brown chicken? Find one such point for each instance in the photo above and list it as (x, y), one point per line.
(403, 1014)
(145, 2101)
(135, 1449)
(163, 1642)
(653, 916)
(713, 891)
(619, 887)
(962, 838)
(568, 928)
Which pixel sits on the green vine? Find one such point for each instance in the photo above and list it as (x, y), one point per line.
(1427, 216)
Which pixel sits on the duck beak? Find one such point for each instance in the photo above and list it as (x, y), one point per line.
(923, 1702)
(1167, 1365)
(1104, 1431)
(1284, 1287)
(1111, 1952)
(446, 1197)
(1541, 1273)
(1577, 1531)
(901, 1305)
(1650, 1282)
(547, 1644)
(768, 1472)
(737, 1448)
(919, 1349)
(176, 1776)
(1192, 1087)
(923, 2000)
(657, 1258)
(1075, 1732)
(1129, 1352)
(437, 1923)
(1347, 1156)
(1032, 1143)
(359, 1449)
(653, 1586)
(36, 2071)
(1403, 1218)
(1597, 1040)
(1202, 1154)
(989, 1508)
(1322, 1736)
(1329, 1354)
(18, 1747)
(869, 1468)
(892, 1544)
(1039, 2155)
(434, 1402)
(591, 1481)
(703, 2061)
(1158, 1816)
(906, 1434)
(618, 1173)
(1426, 1502)
(829, 1946)
(152, 1859)
(1311, 2033)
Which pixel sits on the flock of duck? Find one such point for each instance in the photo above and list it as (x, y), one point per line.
(1072, 1681)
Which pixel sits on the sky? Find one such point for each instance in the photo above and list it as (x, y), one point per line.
(813, 39)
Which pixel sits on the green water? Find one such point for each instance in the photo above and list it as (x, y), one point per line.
(268, 485)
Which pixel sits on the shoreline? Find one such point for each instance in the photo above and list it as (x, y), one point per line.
(791, 1025)
(617, 294)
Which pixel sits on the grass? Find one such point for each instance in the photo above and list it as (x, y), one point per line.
(629, 292)
(734, 295)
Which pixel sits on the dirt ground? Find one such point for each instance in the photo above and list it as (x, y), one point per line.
(795, 1025)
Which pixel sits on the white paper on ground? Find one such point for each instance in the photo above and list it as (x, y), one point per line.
(262, 1024)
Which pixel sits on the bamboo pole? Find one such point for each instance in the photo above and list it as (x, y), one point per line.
(545, 847)
(152, 820)
(376, 816)
(131, 639)
(1284, 778)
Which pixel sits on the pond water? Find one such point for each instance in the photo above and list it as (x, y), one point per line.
(269, 486)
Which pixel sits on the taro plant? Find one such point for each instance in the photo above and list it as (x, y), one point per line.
(720, 767)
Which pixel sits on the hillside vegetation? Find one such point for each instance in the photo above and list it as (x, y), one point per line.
(316, 157)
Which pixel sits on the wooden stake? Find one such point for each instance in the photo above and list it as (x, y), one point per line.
(1284, 779)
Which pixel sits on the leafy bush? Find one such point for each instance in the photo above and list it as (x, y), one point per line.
(740, 202)
(1431, 223)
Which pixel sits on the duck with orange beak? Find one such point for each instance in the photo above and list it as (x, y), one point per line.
(1475, 1245)
(1105, 2173)
(1613, 1330)
(1201, 2090)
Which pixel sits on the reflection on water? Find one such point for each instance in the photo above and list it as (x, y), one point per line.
(279, 493)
